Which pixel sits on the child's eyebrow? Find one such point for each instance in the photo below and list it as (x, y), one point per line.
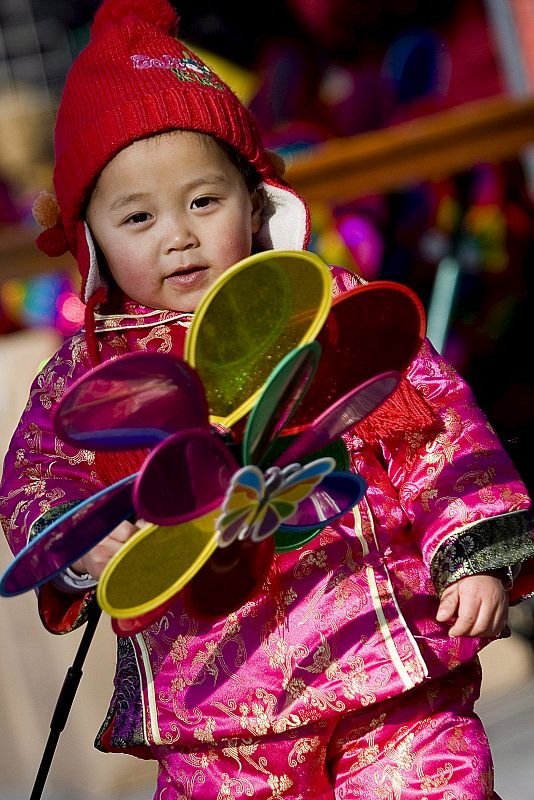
(126, 199)
(211, 178)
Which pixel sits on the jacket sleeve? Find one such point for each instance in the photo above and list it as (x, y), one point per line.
(467, 505)
(42, 477)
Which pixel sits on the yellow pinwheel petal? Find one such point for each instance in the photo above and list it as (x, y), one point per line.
(156, 563)
(252, 316)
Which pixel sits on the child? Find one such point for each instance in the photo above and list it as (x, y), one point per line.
(353, 674)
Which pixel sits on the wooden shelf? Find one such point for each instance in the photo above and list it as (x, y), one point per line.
(432, 147)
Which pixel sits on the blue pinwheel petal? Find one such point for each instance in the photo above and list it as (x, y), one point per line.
(337, 493)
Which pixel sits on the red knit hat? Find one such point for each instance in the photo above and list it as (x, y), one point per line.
(132, 80)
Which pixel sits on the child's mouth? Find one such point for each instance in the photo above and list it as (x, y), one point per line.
(188, 276)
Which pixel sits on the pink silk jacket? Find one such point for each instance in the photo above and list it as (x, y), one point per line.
(343, 623)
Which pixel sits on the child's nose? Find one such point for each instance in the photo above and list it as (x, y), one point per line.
(179, 236)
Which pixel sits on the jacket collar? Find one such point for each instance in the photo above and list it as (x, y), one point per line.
(132, 316)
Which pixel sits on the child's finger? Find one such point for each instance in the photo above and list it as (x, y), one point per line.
(468, 619)
(123, 532)
(96, 559)
(479, 618)
(448, 605)
(488, 620)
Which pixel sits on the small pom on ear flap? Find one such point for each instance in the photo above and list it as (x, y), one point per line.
(52, 241)
(115, 13)
(278, 162)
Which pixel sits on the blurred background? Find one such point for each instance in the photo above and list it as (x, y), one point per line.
(409, 127)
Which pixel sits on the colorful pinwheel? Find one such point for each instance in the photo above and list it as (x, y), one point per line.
(217, 506)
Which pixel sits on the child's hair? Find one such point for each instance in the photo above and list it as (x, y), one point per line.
(133, 80)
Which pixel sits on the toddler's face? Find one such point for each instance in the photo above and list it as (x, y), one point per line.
(170, 214)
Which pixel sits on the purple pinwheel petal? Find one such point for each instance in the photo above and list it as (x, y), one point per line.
(341, 416)
(184, 477)
(133, 401)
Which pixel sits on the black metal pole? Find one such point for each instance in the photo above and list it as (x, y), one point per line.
(64, 702)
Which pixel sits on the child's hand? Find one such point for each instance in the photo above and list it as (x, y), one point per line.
(479, 603)
(95, 560)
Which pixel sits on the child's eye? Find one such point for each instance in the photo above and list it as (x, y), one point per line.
(203, 202)
(138, 218)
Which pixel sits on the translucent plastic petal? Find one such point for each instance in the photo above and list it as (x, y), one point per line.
(154, 565)
(132, 401)
(133, 625)
(336, 494)
(256, 313)
(279, 399)
(68, 538)
(185, 476)
(375, 328)
(233, 576)
(341, 416)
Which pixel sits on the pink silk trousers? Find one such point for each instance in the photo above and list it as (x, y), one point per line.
(426, 744)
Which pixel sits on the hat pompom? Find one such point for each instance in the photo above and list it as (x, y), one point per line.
(52, 241)
(114, 12)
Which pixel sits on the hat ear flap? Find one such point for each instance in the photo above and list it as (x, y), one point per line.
(93, 291)
(87, 261)
(286, 219)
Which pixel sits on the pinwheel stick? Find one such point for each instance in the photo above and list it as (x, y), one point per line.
(64, 702)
